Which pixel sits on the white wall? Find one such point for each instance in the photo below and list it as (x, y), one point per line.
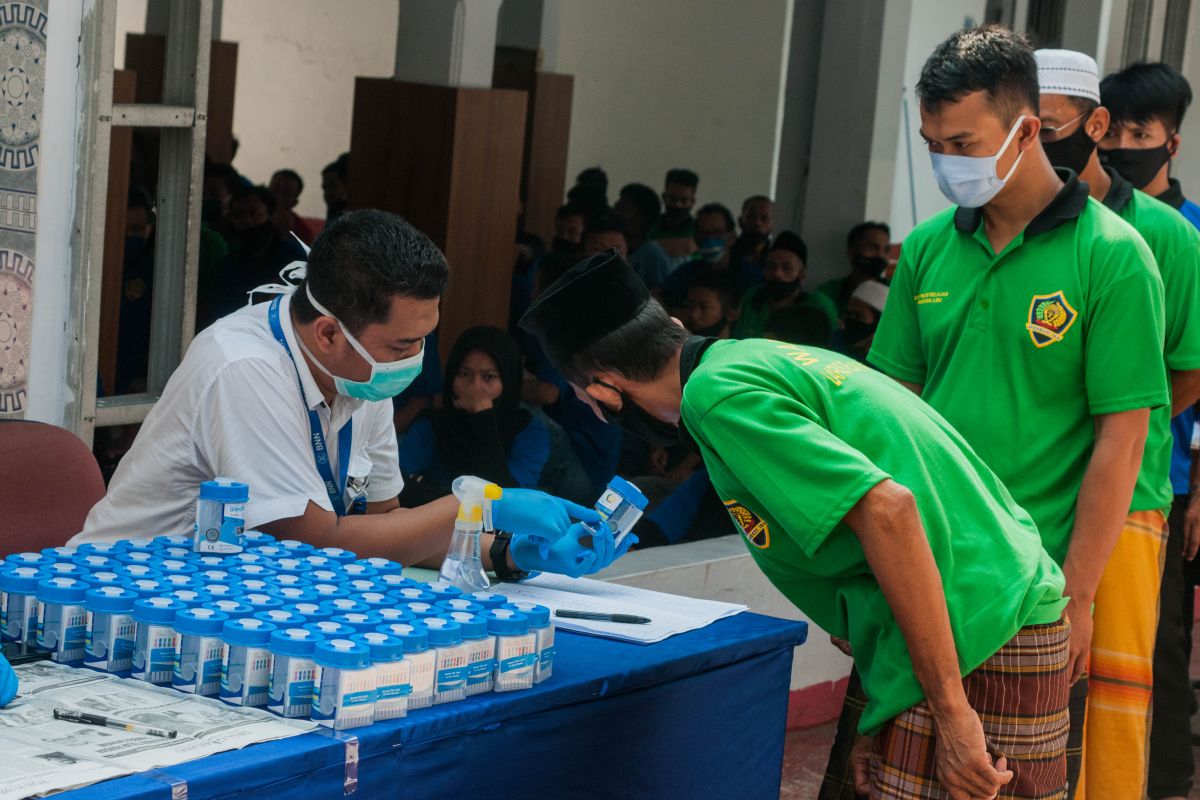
(297, 60)
(675, 83)
(931, 22)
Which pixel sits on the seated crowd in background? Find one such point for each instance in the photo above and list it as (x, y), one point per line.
(502, 411)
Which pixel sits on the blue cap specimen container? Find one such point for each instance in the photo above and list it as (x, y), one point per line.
(257, 538)
(62, 620)
(330, 629)
(108, 643)
(26, 560)
(95, 562)
(62, 553)
(198, 668)
(488, 600)
(360, 621)
(281, 617)
(296, 594)
(382, 566)
(292, 671)
(329, 591)
(460, 604)
(246, 670)
(18, 614)
(232, 608)
(297, 547)
(442, 590)
(311, 612)
(154, 651)
(336, 553)
(147, 587)
(344, 605)
(415, 638)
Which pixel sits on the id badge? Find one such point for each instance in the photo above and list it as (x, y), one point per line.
(357, 480)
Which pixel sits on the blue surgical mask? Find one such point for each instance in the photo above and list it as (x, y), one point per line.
(971, 181)
(712, 248)
(387, 379)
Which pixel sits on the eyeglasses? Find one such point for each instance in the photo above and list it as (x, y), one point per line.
(1056, 133)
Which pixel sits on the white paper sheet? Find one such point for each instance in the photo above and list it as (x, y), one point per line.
(44, 754)
(670, 614)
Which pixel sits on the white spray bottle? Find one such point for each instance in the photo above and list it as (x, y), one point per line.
(462, 566)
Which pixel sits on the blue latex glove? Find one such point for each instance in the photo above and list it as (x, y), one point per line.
(536, 515)
(569, 555)
(8, 682)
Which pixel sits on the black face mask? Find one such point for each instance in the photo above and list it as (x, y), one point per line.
(634, 420)
(780, 290)
(1071, 152)
(855, 332)
(870, 266)
(1137, 166)
(257, 238)
(561, 245)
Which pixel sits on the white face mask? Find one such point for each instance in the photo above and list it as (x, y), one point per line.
(971, 181)
(387, 379)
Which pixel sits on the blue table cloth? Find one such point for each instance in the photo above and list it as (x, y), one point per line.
(699, 715)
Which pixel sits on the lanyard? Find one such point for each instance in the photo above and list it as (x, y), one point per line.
(317, 439)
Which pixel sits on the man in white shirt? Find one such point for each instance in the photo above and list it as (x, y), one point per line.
(293, 397)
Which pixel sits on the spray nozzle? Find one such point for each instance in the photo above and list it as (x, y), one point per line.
(475, 496)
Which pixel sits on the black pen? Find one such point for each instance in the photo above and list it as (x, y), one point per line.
(69, 715)
(597, 616)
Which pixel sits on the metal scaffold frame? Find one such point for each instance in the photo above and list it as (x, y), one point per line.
(182, 118)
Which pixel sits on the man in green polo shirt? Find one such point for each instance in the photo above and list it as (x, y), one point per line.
(1073, 123)
(864, 507)
(1031, 317)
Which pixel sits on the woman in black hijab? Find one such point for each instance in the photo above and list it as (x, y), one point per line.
(482, 429)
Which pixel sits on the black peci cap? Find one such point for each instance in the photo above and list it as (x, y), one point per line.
(591, 299)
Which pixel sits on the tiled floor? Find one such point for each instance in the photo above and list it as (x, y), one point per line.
(806, 752)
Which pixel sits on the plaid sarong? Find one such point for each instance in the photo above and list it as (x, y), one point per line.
(1020, 694)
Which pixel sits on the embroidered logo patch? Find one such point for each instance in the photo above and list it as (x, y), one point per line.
(1050, 317)
(750, 524)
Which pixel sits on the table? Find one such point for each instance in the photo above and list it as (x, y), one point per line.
(699, 715)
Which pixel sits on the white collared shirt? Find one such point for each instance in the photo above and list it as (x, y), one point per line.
(234, 409)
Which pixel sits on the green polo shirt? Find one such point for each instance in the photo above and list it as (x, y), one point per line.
(1020, 350)
(1176, 247)
(794, 436)
(755, 311)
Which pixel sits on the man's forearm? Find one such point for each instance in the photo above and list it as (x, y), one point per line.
(407, 535)
(893, 539)
(1103, 502)
(1185, 390)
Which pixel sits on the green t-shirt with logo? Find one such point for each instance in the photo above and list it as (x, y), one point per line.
(1176, 247)
(794, 436)
(1020, 350)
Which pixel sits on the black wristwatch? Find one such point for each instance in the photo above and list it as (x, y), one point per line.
(499, 556)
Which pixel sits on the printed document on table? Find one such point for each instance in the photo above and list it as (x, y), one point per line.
(43, 754)
(669, 613)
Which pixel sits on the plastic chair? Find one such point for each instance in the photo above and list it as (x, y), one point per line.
(49, 481)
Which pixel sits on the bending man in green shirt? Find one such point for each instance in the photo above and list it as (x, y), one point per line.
(863, 506)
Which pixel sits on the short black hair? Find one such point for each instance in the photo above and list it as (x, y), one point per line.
(261, 192)
(290, 174)
(640, 349)
(684, 177)
(589, 198)
(717, 208)
(990, 59)
(224, 172)
(607, 222)
(569, 210)
(340, 165)
(800, 325)
(593, 177)
(1142, 92)
(861, 229)
(755, 198)
(723, 284)
(140, 198)
(791, 242)
(644, 199)
(361, 260)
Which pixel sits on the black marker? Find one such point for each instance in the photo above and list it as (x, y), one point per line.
(67, 715)
(597, 616)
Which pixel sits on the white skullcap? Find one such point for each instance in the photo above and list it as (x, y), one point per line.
(873, 293)
(1069, 73)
